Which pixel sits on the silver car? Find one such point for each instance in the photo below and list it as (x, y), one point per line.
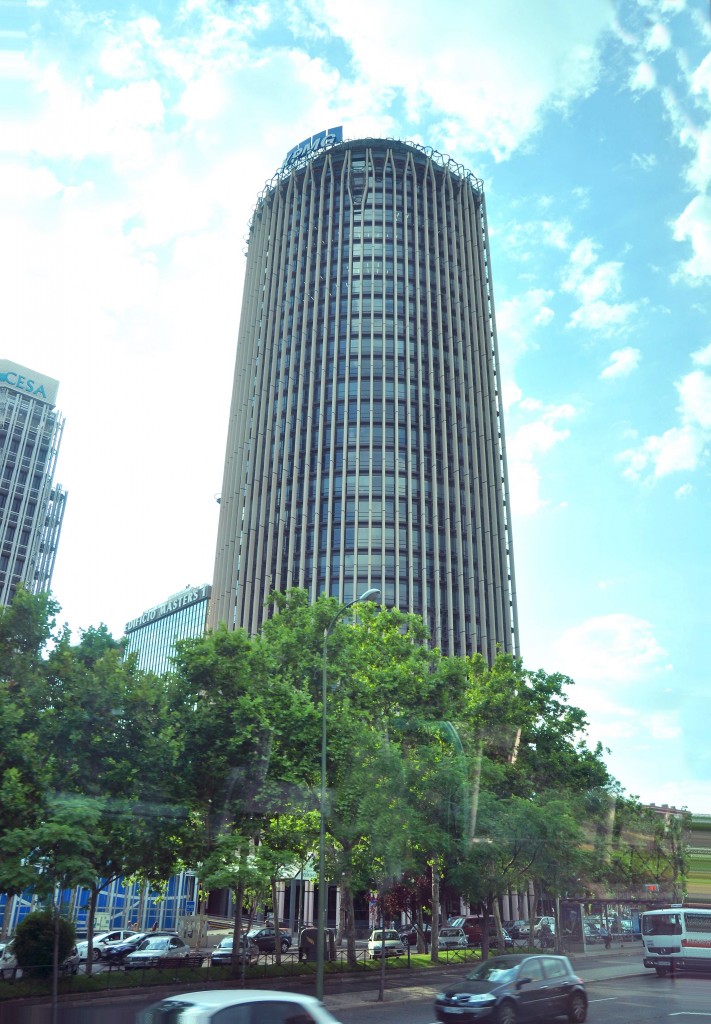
(246, 1007)
(452, 938)
(221, 955)
(154, 949)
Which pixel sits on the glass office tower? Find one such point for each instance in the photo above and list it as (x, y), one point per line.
(153, 635)
(31, 505)
(366, 438)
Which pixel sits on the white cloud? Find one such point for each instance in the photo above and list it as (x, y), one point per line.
(593, 284)
(204, 98)
(530, 442)
(691, 122)
(492, 84)
(684, 491)
(694, 225)
(645, 160)
(658, 38)
(642, 78)
(518, 320)
(695, 393)
(556, 233)
(662, 725)
(702, 357)
(677, 449)
(701, 79)
(605, 317)
(611, 650)
(622, 362)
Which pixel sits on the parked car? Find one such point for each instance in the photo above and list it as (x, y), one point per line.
(452, 938)
(385, 941)
(517, 929)
(155, 948)
(9, 967)
(409, 935)
(116, 952)
(101, 939)
(70, 964)
(474, 931)
(515, 987)
(218, 1005)
(8, 961)
(222, 953)
(541, 922)
(266, 939)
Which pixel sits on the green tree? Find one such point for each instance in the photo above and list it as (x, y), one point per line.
(246, 738)
(39, 937)
(25, 628)
(105, 725)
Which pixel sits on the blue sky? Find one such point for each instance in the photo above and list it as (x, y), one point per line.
(134, 141)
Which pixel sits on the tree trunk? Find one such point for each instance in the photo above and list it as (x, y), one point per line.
(277, 929)
(91, 911)
(476, 784)
(500, 944)
(421, 935)
(341, 929)
(434, 954)
(237, 931)
(533, 897)
(55, 957)
(349, 912)
(485, 932)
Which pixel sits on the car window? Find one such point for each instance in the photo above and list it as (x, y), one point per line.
(554, 968)
(532, 969)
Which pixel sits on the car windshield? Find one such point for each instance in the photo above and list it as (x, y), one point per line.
(449, 932)
(457, 921)
(661, 924)
(501, 968)
(226, 943)
(387, 936)
(154, 943)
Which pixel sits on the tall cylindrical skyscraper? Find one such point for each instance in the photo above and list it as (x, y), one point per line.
(366, 440)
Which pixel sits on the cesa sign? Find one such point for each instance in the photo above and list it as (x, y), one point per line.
(20, 378)
(307, 148)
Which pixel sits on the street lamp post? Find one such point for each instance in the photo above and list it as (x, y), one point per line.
(321, 918)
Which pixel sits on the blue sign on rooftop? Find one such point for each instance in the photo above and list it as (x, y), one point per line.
(307, 148)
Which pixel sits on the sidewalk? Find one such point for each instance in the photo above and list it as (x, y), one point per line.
(601, 965)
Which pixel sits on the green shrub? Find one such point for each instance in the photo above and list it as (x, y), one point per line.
(34, 941)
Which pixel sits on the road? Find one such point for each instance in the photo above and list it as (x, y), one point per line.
(644, 998)
(639, 997)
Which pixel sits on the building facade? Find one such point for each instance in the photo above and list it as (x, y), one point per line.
(366, 440)
(153, 635)
(31, 504)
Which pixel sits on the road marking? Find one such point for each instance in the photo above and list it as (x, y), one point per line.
(689, 1013)
(606, 999)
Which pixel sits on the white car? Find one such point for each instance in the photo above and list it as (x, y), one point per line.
(155, 948)
(452, 938)
(386, 942)
(101, 939)
(224, 1005)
